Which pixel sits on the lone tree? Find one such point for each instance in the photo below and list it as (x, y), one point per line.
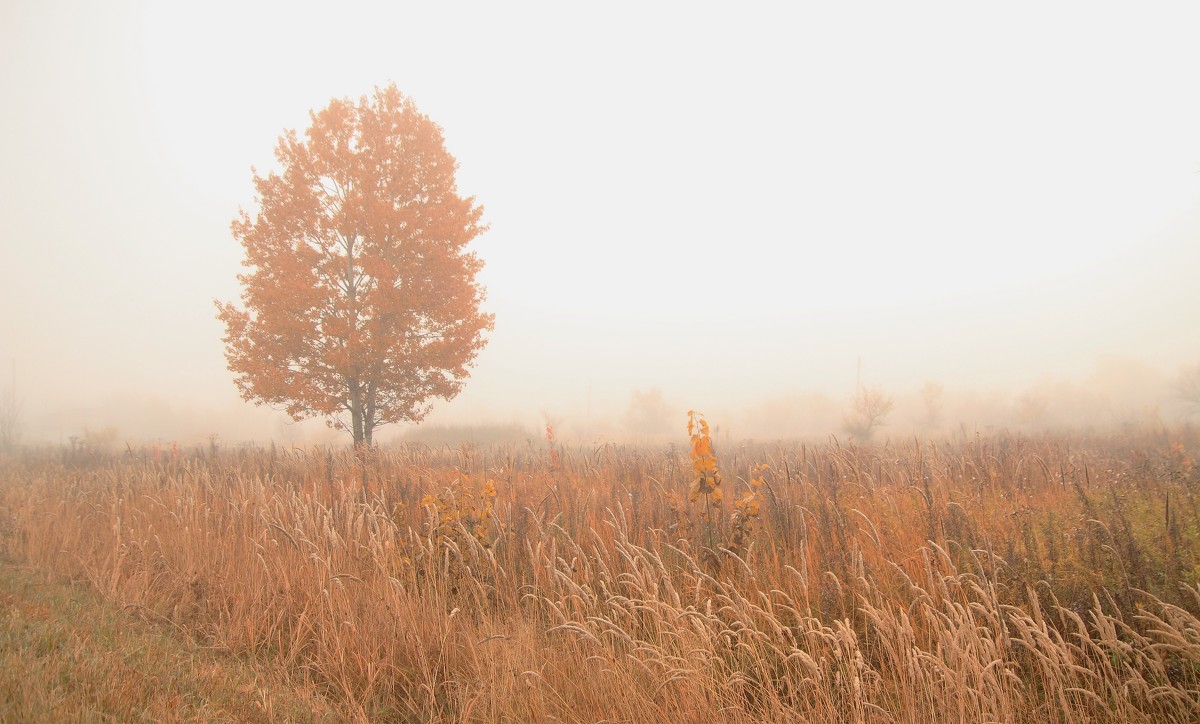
(869, 409)
(361, 303)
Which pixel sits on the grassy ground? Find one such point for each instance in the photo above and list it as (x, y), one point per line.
(1003, 578)
(67, 655)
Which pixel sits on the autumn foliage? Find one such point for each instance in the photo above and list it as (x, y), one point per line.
(707, 483)
(361, 303)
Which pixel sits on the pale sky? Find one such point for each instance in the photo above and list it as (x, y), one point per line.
(730, 203)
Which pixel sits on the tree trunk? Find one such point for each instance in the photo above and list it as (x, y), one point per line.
(360, 428)
(357, 418)
(369, 414)
(356, 422)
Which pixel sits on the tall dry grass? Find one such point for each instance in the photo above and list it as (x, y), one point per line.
(991, 579)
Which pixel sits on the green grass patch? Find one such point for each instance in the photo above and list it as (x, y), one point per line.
(67, 655)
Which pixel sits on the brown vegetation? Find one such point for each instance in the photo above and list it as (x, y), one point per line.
(67, 655)
(1005, 578)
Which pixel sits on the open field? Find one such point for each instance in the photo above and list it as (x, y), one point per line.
(68, 655)
(996, 578)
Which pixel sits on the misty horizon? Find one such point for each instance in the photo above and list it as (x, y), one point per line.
(1118, 394)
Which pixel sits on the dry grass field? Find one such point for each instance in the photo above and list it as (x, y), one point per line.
(68, 655)
(998, 578)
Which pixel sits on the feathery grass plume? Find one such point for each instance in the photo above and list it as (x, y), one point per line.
(555, 462)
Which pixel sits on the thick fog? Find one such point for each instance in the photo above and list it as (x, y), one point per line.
(989, 215)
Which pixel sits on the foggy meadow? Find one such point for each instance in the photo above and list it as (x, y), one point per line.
(528, 363)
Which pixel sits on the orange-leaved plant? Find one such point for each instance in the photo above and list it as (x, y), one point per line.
(456, 510)
(746, 510)
(707, 481)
